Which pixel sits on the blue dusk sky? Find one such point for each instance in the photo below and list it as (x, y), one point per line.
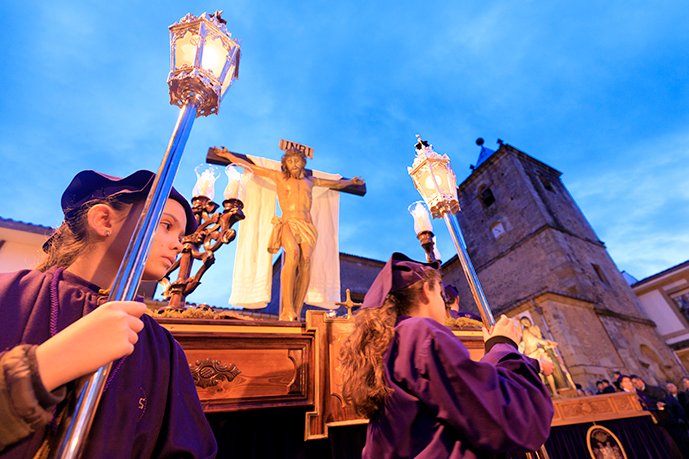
(597, 90)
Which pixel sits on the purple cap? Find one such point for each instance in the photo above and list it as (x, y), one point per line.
(399, 272)
(89, 185)
(450, 293)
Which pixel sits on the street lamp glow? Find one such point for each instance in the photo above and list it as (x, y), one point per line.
(434, 179)
(204, 61)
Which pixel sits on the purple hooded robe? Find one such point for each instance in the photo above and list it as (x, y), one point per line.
(445, 405)
(149, 408)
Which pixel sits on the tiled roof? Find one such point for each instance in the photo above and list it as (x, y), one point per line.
(661, 273)
(23, 226)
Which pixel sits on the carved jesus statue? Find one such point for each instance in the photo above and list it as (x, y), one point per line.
(294, 231)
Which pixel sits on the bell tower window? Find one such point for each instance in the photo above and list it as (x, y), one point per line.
(600, 274)
(486, 197)
(547, 184)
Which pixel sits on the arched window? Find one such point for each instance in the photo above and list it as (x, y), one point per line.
(486, 196)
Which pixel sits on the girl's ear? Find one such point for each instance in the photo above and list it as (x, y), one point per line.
(100, 219)
(426, 292)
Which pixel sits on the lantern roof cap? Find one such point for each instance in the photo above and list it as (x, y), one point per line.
(424, 151)
(214, 18)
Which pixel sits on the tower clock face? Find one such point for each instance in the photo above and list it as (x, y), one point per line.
(498, 230)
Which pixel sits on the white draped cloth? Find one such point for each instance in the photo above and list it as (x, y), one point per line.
(252, 273)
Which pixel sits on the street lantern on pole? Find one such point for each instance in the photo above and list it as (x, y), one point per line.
(436, 182)
(204, 61)
(434, 179)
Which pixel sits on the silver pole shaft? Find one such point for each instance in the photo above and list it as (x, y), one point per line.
(477, 291)
(468, 268)
(128, 277)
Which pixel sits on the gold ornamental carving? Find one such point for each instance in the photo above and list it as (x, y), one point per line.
(210, 372)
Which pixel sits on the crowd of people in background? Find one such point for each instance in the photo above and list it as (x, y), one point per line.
(669, 405)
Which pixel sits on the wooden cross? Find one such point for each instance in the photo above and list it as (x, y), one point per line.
(213, 158)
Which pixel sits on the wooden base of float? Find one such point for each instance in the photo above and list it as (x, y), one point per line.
(267, 369)
(245, 365)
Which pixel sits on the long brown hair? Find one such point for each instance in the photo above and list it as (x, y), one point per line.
(71, 238)
(361, 355)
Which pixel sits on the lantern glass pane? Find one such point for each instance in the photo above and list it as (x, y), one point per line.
(206, 175)
(185, 50)
(228, 78)
(445, 183)
(429, 185)
(444, 177)
(451, 183)
(214, 55)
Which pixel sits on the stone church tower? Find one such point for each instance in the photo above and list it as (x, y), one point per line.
(536, 255)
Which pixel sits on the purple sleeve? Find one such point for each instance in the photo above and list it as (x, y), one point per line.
(185, 431)
(497, 404)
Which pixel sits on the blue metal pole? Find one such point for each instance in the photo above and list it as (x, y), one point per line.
(128, 277)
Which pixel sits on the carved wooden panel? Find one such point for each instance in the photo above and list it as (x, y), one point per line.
(238, 367)
(596, 408)
(210, 372)
(336, 409)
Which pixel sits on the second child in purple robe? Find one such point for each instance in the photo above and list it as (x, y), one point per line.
(414, 379)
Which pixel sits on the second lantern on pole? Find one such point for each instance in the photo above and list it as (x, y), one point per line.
(436, 182)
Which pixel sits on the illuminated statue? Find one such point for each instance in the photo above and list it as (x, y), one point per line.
(294, 231)
(535, 346)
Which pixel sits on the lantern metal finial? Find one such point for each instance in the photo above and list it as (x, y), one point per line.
(420, 144)
(218, 17)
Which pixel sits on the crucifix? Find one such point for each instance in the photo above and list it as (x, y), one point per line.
(349, 304)
(294, 231)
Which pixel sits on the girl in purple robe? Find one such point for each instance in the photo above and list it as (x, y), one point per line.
(414, 380)
(57, 326)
